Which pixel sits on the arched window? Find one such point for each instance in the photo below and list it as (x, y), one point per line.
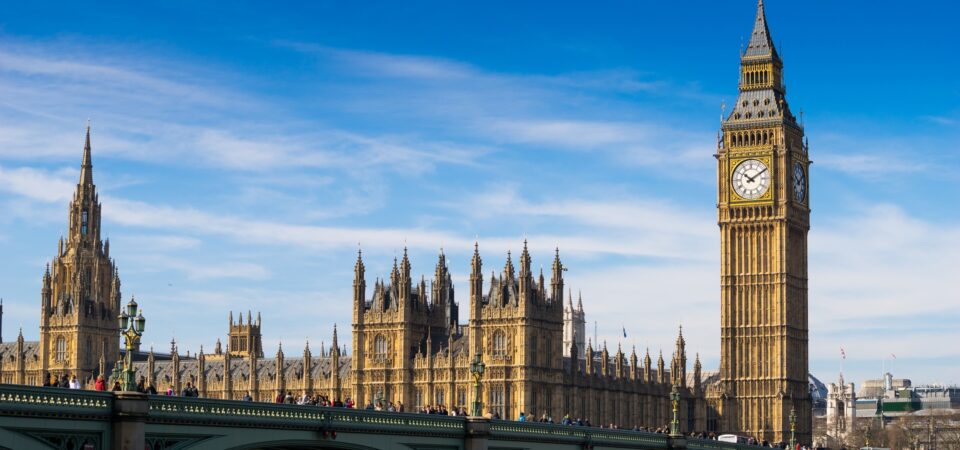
(60, 349)
(83, 222)
(380, 347)
(499, 343)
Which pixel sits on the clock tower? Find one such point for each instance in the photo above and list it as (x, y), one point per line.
(764, 217)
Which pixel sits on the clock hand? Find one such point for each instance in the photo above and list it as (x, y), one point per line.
(750, 179)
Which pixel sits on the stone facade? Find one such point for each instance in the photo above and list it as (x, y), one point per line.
(409, 348)
(764, 217)
(79, 300)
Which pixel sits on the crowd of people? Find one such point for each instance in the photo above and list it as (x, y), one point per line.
(100, 384)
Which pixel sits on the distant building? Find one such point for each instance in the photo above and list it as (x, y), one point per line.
(892, 398)
(927, 413)
(841, 409)
(574, 327)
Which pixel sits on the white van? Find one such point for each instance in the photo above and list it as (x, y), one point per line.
(732, 438)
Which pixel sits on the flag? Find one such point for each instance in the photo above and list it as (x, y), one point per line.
(843, 354)
(894, 356)
(624, 332)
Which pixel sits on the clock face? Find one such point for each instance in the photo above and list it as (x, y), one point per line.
(751, 179)
(799, 182)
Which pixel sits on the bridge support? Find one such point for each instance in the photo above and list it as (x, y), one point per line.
(677, 443)
(478, 433)
(130, 411)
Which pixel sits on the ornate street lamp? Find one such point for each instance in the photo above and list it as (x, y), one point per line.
(476, 369)
(132, 325)
(675, 400)
(793, 428)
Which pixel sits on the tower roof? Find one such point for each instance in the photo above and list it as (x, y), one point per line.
(761, 45)
(86, 167)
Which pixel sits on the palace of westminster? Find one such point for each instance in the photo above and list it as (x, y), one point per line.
(409, 346)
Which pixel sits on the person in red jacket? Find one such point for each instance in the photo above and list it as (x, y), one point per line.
(101, 385)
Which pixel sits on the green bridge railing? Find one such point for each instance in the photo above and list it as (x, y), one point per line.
(165, 409)
(17, 399)
(540, 432)
(44, 402)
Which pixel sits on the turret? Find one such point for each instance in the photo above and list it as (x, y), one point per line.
(405, 281)
(151, 366)
(647, 375)
(281, 385)
(678, 366)
(476, 298)
(228, 373)
(634, 369)
(525, 284)
(589, 358)
(176, 367)
(697, 376)
(202, 373)
(556, 281)
(307, 368)
(618, 363)
(661, 371)
(20, 374)
(604, 361)
(442, 295)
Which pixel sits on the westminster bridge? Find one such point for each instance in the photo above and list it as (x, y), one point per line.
(53, 418)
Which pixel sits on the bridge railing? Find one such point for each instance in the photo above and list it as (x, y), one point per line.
(540, 432)
(186, 410)
(33, 400)
(208, 411)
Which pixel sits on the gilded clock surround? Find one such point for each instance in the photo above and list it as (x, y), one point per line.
(734, 163)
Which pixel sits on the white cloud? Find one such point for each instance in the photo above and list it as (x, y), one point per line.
(37, 185)
(877, 270)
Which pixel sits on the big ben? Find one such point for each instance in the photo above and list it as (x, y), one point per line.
(764, 216)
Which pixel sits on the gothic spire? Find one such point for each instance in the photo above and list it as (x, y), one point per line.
(525, 261)
(476, 263)
(358, 267)
(761, 44)
(405, 264)
(86, 167)
(335, 344)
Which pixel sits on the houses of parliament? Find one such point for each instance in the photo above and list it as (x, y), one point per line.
(409, 346)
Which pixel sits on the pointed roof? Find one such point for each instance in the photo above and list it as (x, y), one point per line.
(86, 167)
(761, 43)
(358, 267)
(476, 262)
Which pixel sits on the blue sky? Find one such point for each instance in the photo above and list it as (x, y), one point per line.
(242, 153)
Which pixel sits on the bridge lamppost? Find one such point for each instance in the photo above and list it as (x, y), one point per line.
(793, 428)
(675, 400)
(131, 328)
(476, 369)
